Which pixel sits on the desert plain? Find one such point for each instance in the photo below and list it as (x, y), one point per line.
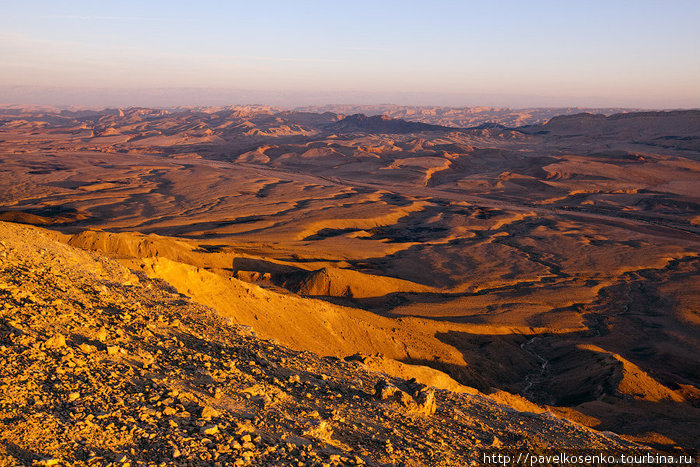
(545, 263)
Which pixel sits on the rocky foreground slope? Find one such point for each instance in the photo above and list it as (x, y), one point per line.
(99, 366)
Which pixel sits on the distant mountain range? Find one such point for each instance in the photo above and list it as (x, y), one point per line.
(464, 117)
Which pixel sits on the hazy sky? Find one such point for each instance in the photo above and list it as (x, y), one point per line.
(561, 52)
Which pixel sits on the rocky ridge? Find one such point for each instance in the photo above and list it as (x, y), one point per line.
(101, 366)
(384, 124)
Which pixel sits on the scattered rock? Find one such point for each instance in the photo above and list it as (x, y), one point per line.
(209, 412)
(319, 429)
(154, 404)
(87, 348)
(417, 398)
(101, 335)
(210, 430)
(55, 342)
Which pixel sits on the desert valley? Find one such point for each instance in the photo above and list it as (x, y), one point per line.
(519, 270)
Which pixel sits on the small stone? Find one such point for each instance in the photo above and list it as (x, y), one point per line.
(101, 335)
(55, 342)
(87, 348)
(385, 391)
(210, 429)
(209, 412)
(425, 400)
(249, 446)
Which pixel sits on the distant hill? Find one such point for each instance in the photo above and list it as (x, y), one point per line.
(679, 129)
(685, 122)
(383, 124)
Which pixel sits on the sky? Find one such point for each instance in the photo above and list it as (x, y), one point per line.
(617, 53)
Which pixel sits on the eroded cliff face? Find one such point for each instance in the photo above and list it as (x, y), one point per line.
(100, 365)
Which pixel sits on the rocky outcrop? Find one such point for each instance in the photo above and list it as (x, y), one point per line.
(415, 397)
(336, 282)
